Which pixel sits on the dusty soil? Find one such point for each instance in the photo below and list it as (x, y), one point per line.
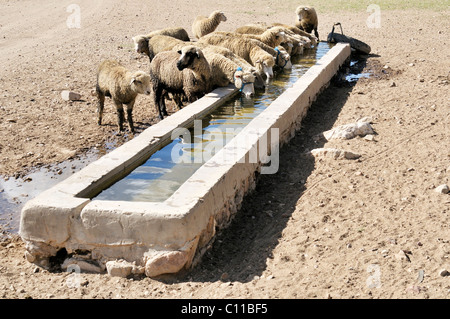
(368, 228)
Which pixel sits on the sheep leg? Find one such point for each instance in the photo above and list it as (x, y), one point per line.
(316, 34)
(100, 106)
(178, 101)
(120, 114)
(157, 97)
(163, 106)
(130, 116)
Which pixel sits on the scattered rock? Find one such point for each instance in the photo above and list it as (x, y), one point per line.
(366, 119)
(119, 268)
(167, 262)
(444, 272)
(334, 153)
(369, 137)
(420, 276)
(70, 96)
(443, 189)
(348, 131)
(401, 255)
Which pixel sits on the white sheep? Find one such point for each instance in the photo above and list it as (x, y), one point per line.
(160, 43)
(313, 39)
(272, 38)
(298, 42)
(294, 43)
(156, 44)
(123, 86)
(224, 71)
(245, 47)
(263, 61)
(246, 66)
(203, 25)
(177, 32)
(186, 72)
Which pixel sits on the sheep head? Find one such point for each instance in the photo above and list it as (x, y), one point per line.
(283, 59)
(303, 12)
(220, 15)
(141, 44)
(275, 35)
(259, 82)
(266, 66)
(188, 56)
(244, 81)
(141, 83)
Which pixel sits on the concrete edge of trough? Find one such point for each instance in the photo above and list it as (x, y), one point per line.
(174, 233)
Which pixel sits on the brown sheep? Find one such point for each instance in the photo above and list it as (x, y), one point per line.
(307, 19)
(122, 86)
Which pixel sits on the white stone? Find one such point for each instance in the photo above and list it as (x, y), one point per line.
(369, 137)
(70, 96)
(334, 153)
(349, 131)
(165, 263)
(119, 268)
(443, 189)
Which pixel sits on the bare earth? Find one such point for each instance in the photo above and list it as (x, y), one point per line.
(368, 228)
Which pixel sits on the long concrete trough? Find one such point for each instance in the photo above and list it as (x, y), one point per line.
(156, 238)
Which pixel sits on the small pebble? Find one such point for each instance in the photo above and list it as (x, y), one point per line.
(443, 189)
(420, 276)
(443, 272)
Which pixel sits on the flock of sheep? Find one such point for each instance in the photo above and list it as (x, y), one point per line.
(185, 70)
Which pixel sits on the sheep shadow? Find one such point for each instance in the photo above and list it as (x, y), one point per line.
(240, 252)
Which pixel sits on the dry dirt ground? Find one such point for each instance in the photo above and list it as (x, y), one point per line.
(368, 228)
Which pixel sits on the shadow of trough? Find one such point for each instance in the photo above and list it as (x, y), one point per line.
(241, 250)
